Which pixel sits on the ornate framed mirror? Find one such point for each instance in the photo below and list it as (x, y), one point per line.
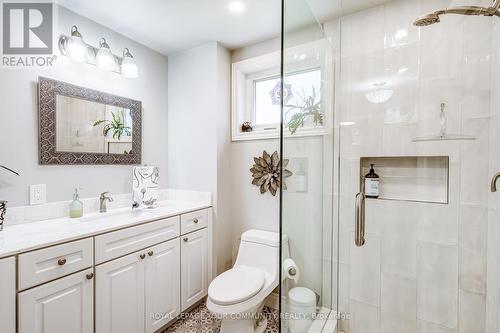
(83, 126)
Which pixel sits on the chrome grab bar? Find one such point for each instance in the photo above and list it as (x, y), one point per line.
(360, 219)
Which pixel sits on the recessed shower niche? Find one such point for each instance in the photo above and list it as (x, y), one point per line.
(410, 178)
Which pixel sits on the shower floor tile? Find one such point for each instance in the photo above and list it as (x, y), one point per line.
(200, 320)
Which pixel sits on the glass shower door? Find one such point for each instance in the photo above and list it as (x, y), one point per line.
(388, 209)
(308, 294)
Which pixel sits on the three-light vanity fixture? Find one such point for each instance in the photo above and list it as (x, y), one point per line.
(102, 57)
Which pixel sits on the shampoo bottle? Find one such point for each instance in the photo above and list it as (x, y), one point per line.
(76, 206)
(372, 183)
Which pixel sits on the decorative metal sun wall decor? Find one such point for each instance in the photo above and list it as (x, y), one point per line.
(266, 172)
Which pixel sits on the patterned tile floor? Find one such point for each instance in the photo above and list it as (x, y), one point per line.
(200, 320)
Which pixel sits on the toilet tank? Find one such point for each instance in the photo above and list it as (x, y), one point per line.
(260, 249)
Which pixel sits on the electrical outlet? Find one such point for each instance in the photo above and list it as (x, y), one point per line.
(38, 194)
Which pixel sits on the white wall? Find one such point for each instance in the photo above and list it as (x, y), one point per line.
(198, 131)
(250, 209)
(303, 213)
(19, 122)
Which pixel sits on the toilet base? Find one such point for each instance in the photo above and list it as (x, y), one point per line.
(244, 325)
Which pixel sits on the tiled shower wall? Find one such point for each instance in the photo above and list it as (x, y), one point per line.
(424, 266)
(493, 276)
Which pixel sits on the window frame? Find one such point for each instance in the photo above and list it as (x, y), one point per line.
(245, 75)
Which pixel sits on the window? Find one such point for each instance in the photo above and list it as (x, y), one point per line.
(256, 97)
(299, 88)
(266, 112)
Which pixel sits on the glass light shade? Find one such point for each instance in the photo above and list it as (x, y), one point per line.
(105, 60)
(129, 67)
(77, 49)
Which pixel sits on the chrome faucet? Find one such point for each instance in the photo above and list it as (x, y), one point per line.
(494, 182)
(103, 199)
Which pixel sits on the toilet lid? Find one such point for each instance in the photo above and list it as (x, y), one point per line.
(236, 285)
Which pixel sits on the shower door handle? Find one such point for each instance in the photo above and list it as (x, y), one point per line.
(360, 220)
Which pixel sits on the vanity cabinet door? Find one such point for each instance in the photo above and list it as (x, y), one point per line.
(120, 295)
(61, 306)
(194, 267)
(8, 295)
(162, 285)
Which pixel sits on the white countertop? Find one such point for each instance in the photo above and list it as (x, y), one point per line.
(25, 237)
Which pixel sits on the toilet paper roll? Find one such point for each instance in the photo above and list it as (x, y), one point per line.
(290, 270)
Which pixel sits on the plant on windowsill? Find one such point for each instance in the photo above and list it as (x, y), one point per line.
(117, 125)
(308, 107)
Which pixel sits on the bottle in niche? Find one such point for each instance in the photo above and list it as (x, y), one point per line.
(372, 183)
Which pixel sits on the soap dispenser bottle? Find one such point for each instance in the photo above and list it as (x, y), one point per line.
(372, 183)
(76, 206)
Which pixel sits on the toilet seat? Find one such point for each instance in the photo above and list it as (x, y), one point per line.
(236, 285)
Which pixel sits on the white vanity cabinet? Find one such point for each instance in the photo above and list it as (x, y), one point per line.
(162, 285)
(139, 292)
(132, 280)
(120, 295)
(62, 306)
(8, 295)
(194, 267)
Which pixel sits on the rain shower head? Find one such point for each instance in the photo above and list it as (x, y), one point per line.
(432, 18)
(427, 19)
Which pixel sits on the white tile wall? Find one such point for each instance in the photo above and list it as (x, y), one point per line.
(437, 280)
(472, 312)
(426, 267)
(365, 271)
(398, 305)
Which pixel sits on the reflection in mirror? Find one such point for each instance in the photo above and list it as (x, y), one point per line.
(84, 126)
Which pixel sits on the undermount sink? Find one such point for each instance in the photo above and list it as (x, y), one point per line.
(125, 214)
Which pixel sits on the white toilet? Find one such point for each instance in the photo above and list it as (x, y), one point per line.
(238, 295)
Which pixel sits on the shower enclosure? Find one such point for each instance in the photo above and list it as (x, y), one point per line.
(362, 84)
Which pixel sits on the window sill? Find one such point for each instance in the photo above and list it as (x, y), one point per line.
(275, 134)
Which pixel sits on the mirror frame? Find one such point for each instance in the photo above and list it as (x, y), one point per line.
(48, 90)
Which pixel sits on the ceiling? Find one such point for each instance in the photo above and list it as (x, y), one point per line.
(168, 26)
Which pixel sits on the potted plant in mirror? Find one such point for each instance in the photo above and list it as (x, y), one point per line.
(116, 125)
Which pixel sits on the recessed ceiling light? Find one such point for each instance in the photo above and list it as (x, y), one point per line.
(236, 6)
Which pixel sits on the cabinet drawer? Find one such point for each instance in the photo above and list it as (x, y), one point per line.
(194, 221)
(54, 262)
(122, 242)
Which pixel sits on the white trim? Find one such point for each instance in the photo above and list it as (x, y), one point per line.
(325, 323)
(317, 56)
(275, 134)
